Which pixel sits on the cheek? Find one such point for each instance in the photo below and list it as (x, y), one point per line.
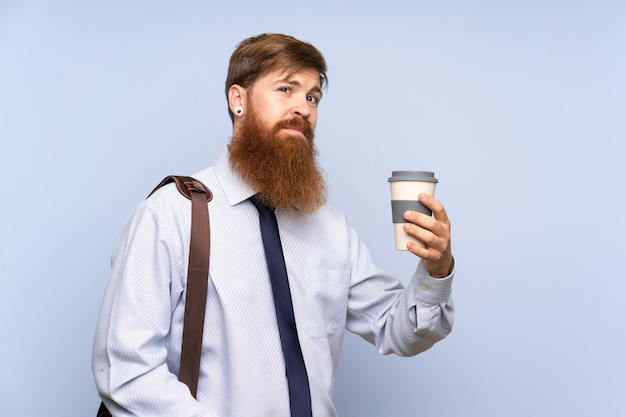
(269, 112)
(313, 119)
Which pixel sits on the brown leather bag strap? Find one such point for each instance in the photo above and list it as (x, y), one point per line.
(185, 185)
(197, 276)
(197, 280)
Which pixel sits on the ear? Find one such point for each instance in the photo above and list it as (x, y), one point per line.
(236, 98)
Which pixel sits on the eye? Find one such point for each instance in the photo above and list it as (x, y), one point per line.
(284, 89)
(312, 99)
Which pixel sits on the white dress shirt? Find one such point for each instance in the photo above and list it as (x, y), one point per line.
(334, 286)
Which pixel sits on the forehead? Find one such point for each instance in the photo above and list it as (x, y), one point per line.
(308, 79)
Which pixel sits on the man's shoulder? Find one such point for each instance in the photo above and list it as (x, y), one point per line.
(168, 197)
(331, 211)
(206, 175)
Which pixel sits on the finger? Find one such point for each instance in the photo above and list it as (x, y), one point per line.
(417, 250)
(433, 241)
(438, 227)
(437, 255)
(439, 212)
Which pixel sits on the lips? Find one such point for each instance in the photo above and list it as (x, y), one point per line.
(295, 128)
(297, 125)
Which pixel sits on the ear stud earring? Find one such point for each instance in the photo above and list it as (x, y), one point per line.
(238, 110)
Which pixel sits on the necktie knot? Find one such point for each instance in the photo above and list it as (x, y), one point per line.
(260, 206)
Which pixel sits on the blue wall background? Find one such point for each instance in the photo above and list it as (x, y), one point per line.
(519, 108)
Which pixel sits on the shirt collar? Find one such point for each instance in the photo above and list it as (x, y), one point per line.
(235, 189)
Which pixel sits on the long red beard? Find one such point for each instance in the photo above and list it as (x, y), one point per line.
(281, 167)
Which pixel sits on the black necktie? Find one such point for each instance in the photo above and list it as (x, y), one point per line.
(297, 380)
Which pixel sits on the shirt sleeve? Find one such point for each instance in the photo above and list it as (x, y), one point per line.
(404, 321)
(130, 355)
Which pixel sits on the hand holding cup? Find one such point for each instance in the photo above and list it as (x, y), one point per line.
(406, 186)
(429, 221)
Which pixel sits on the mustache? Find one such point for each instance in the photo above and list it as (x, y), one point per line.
(299, 123)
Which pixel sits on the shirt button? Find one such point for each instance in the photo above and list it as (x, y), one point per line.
(424, 287)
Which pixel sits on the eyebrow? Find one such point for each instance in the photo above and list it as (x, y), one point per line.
(295, 83)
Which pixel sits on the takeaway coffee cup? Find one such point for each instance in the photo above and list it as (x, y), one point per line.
(406, 186)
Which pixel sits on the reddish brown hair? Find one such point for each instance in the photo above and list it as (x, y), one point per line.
(257, 56)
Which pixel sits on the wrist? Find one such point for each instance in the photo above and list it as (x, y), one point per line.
(444, 272)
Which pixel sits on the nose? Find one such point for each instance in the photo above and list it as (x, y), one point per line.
(302, 109)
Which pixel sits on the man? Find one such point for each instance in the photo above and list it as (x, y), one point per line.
(274, 86)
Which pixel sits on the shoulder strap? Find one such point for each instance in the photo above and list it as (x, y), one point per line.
(197, 280)
(197, 276)
(185, 185)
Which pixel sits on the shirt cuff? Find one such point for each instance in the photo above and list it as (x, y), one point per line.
(432, 291)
